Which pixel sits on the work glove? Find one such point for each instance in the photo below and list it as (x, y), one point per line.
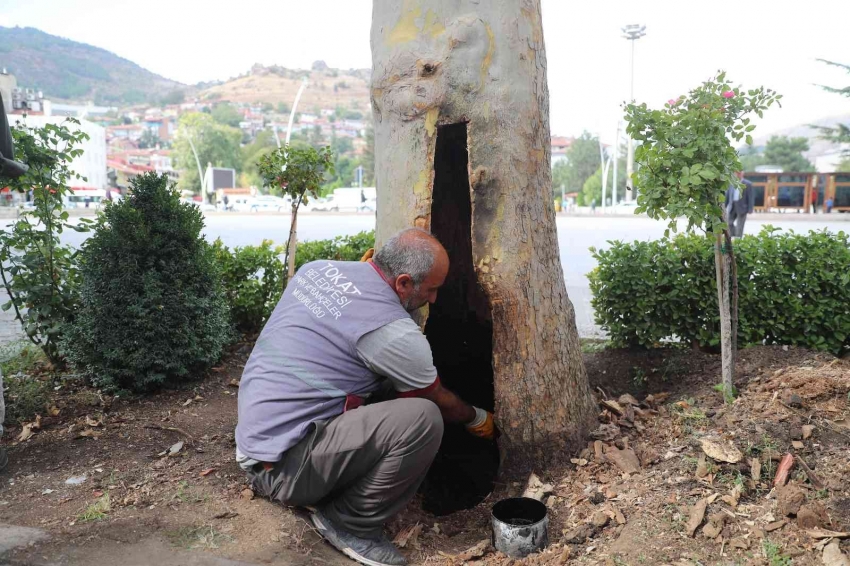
(368, 255)
(482, 425)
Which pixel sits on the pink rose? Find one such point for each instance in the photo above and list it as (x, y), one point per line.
(728, 94)
(672, 102)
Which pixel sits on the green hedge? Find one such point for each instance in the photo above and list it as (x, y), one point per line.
(253, 276)
(793, 289)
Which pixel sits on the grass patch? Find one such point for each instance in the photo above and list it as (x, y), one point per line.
(20, 356)
(204, 537)
(97, 511)
(773, 554)
(593, 345)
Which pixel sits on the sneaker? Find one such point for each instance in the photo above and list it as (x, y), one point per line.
(4, 459)
(380, 552)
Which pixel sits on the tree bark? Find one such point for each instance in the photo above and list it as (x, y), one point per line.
(723, 267)
(443, 63)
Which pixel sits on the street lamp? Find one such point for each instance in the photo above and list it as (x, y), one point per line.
(632, 32)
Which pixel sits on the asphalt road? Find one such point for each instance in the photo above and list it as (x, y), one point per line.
(575, 235)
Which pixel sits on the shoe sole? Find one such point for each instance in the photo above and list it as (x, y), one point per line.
(348, 551)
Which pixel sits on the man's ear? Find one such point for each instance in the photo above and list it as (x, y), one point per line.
(402, 281)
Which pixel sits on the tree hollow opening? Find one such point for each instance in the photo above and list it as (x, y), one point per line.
(460, 331)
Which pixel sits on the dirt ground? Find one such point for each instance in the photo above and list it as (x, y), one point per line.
(160, 480)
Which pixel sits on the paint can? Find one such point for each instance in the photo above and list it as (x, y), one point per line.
(520, 526)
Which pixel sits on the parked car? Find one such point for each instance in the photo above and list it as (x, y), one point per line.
(269, 203)
(204, 206)
(317, 205)
(624, 208)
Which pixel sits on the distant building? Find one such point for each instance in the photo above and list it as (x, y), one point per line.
(132, 132)
(8, 84)
(92, 163)
(560, 145)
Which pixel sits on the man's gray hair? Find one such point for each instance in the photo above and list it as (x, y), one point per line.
(410, 252)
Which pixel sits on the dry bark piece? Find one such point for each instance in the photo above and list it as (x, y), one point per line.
(696, 516)
(776, 525)
(781, 477)
(536, 489)
(606, 432)
(599, 519)
(410, 535)
(207, 472)
(613, 406)
(721, 451)
(90, 433)
(598, 450)
(755, 469)
(626, 460)
(740, 543)
(247, 494)
(832, 555)
(476, 551)
(789, 499)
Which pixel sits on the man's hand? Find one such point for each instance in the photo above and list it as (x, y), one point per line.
(368, 255)
(482, 426)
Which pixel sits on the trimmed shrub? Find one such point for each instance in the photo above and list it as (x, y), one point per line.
(793, 289)
(252, 277)
(153, 311)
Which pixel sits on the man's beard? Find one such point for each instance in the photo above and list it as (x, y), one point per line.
(414, 303)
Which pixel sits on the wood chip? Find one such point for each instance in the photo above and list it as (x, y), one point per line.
(536, 489)
(813, 477)
(207, 472)
(720, 450)
(823, 533)
(781, 477)
(476, 551)
(613, 406)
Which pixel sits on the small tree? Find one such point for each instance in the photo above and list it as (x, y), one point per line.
(687, 162)
(152, 309)
(297, 172)
(38, 272)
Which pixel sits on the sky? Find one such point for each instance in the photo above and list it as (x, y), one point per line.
(772, 43)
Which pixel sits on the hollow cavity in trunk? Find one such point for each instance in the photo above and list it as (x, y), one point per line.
(460, 331)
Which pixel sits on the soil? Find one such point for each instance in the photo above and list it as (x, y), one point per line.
(191, 507)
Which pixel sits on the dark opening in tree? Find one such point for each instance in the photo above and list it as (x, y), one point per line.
(460, 330)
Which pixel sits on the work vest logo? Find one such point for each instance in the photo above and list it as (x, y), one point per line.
(325, 291)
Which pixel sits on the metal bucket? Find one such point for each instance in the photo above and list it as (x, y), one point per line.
(520, 526)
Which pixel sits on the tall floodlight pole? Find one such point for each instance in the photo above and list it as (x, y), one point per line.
(200, 172)
(291, 115)
(616, 160)
(632, 32)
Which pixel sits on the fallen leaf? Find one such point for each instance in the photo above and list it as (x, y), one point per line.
(53, 411)
(175, 448)
(233, 383)
(93, 422)
(696, 516)
(188, 402)
(26, 432)
(721, 451)
(90, 433)
(410, 535)
(776, 525)
(207, 472)
(97, 494)
(832, 555)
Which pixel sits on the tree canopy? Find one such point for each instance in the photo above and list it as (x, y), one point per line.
(582, 160)
(840, 133)
(215, 143)
(787, 153)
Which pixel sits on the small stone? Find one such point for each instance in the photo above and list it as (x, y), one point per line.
(714, 527)
(807, 431)
(796, 433)
(626, 460)
(599, 519)
(740, 543)
(789, 498)
(794, 400)
(247, 494)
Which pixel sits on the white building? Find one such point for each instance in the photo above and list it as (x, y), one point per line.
(92, 163)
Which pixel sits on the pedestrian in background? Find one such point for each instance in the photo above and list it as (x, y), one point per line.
(829, 202)
(739, 203)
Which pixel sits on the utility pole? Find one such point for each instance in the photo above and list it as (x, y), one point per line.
(616, 160)
(632, 32)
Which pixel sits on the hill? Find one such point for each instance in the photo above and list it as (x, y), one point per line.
(817, 146)
(68, 70)
(326, 88)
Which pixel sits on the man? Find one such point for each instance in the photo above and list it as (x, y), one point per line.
(738, 205)
(9, 169)
(339, 331)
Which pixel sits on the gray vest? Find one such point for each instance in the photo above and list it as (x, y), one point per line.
(305, 361)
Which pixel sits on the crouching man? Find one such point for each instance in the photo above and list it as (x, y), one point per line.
(341, 331)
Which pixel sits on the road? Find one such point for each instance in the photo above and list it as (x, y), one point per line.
(575, 235)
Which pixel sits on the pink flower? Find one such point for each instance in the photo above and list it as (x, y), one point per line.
(728, 94)
(672, 102)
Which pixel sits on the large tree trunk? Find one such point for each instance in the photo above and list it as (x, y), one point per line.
(462, 147)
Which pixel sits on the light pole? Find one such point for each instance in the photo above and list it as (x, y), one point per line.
(291, 115)
(200, 173)
(632, 32)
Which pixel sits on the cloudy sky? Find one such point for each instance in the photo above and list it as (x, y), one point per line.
(759, 42)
